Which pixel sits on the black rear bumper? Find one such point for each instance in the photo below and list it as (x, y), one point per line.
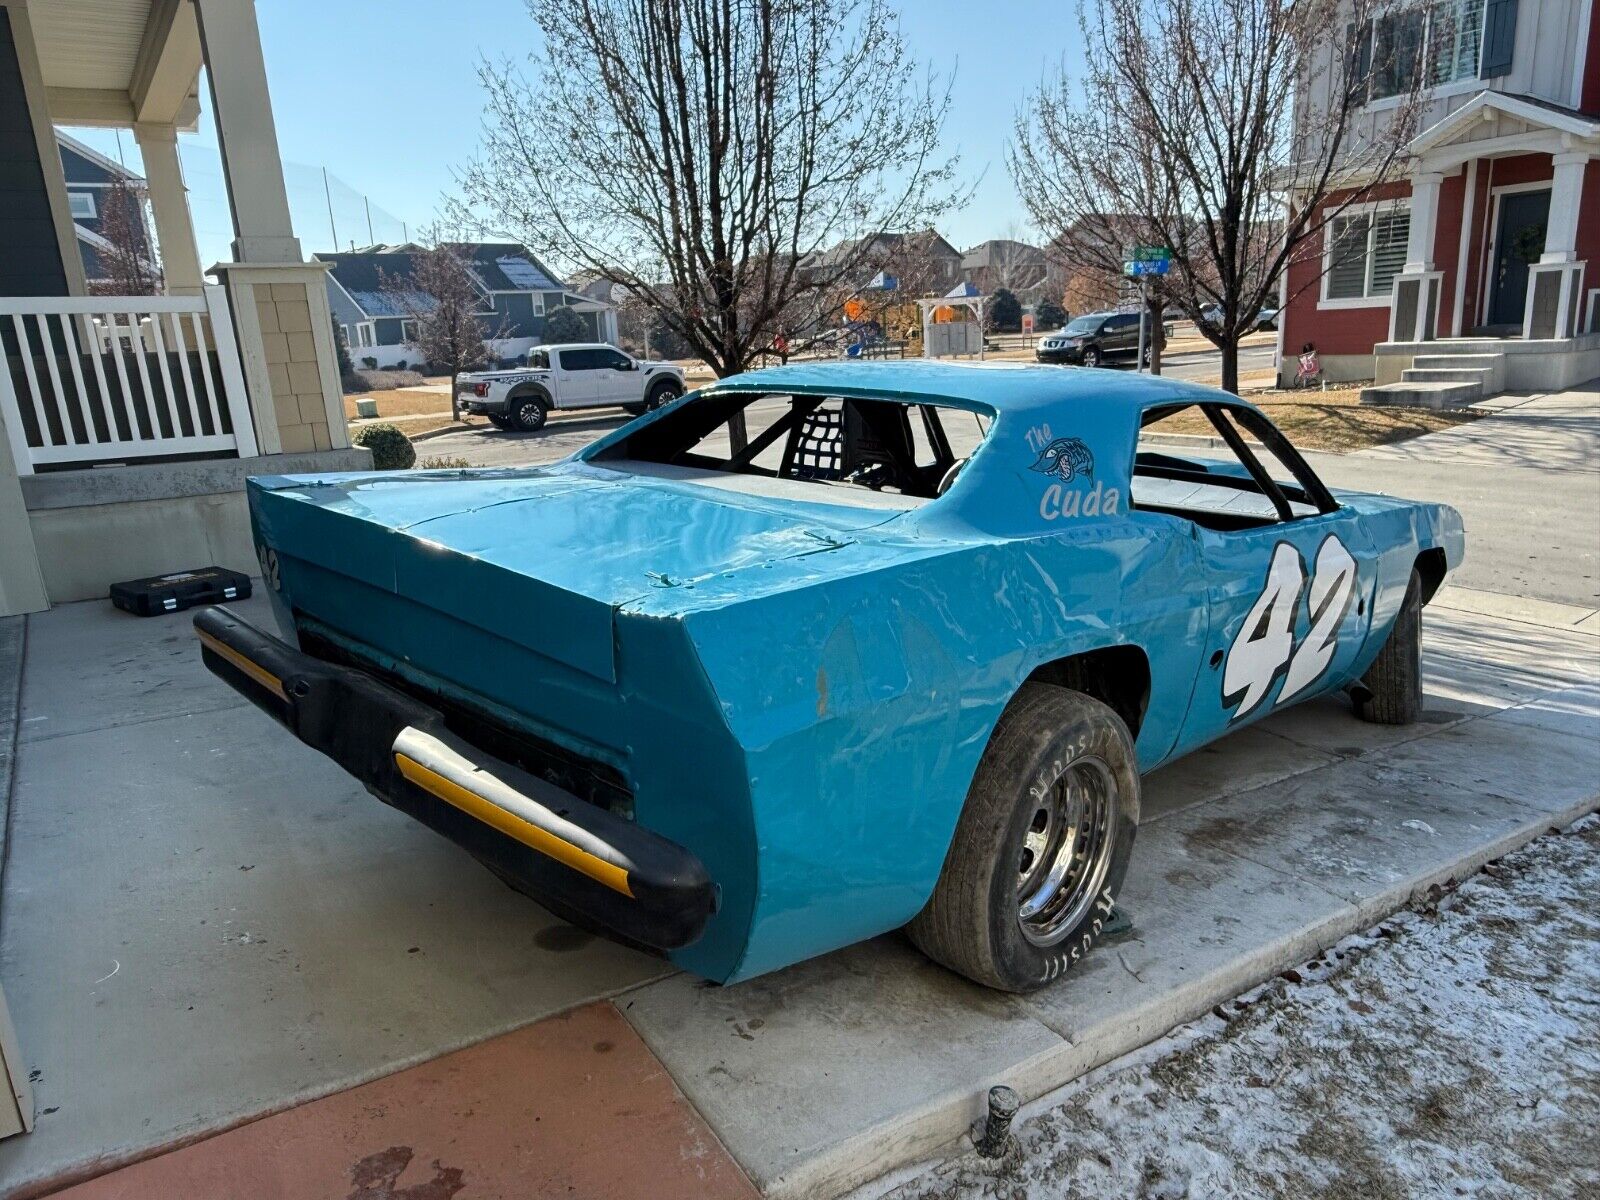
(577, 857)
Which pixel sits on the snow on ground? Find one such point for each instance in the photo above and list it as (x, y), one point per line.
(1452, 1051)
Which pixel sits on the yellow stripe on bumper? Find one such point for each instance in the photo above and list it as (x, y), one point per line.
(513, 826)
(259, 673)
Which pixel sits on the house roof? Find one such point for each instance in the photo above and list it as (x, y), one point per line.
(1001, 250)
(1527, 109)
(89, 154)
(508, 267)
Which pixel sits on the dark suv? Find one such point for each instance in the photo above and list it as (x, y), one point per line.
(1092, 339)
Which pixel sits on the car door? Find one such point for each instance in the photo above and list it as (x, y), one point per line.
(1288, 577)
(577, 381)
(1123, 338)
(616, 380)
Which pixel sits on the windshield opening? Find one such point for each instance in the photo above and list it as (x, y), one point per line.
(839, 449)
(1084, 324)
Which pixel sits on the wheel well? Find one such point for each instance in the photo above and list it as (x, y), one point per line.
(528, 391)
(663, 381)
(1117, 676)
(1431, 566)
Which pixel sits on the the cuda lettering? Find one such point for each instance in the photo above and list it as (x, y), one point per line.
(1264, 649)
(1099, 501)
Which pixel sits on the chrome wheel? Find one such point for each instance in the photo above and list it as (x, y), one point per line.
(1066, 851)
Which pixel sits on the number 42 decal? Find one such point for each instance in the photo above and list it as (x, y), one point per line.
(1264, 647)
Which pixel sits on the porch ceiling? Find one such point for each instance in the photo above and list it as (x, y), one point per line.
(90, 43)
(117, 62)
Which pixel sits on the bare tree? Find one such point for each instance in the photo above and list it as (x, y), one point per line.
(1185, 128)
(702, 153)
(443, 303)
(128, 265)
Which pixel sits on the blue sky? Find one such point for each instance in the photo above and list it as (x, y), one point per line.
(383, 94)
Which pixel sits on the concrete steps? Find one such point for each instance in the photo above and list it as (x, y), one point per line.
(1443, 380)
(1427, 394)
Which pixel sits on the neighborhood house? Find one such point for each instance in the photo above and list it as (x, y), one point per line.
(1479, 269)
(376, 310)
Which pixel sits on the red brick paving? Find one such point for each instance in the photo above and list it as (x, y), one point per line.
(573, 1106)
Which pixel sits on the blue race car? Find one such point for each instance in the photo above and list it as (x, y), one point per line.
(821, 651)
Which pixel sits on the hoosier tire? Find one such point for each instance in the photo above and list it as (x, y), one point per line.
(1391, 690)
(1055, 794)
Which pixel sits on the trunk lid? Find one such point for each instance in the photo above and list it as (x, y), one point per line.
(541, 556)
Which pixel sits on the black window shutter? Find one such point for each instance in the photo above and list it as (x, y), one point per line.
(1499, 38)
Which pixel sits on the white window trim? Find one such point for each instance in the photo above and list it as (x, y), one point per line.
(1469, 83)
(73, 199)
(366, 335)
(1369, 207)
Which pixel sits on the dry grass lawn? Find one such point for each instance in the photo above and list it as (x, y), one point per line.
(1332, 420)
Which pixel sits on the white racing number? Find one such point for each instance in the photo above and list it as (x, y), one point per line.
(1264, 647)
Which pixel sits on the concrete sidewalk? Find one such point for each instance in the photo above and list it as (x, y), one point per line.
(204, 922)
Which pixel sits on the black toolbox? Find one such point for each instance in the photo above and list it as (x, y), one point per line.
(180, 590)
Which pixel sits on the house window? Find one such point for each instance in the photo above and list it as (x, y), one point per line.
(82, 206)
(1421, 44)
(538, 304)
(408, 330)
(364, 334)
(1366, 250)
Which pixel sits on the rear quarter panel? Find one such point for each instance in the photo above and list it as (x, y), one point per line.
(863, 700)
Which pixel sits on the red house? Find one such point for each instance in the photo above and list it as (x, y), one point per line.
(1479, 269)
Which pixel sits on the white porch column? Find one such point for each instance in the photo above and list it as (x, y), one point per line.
(1566, 197)
(169, 204)
(1424, 221)
(242, 109)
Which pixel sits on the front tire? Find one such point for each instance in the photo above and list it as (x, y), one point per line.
(1042, 846)
(1092, 357)
(663, 393)
(1390, 693)
(529, 414)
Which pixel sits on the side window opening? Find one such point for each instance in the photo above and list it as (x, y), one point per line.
(1255, 479)
(846, 448)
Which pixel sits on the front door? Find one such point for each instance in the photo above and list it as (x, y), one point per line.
(1519, 242)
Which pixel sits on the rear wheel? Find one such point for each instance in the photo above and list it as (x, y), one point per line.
(1391, 691)
(528, 414)
(499, 422)
(1042, 846)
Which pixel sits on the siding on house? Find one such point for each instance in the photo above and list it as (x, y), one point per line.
(30, 255)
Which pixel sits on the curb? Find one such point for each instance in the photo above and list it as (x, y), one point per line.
(13, 641)
(938, 1130)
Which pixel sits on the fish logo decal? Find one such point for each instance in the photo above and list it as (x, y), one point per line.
(1066, 458)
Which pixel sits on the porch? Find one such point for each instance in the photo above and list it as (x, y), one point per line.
(128, 424)
(1504, 223)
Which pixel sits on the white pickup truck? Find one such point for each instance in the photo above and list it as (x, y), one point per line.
(580, 375)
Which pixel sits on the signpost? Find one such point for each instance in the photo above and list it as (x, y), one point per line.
(1143, 262)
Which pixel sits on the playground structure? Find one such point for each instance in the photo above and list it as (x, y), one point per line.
(876, 320)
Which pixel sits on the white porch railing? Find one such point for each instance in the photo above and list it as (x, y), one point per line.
(94, 379)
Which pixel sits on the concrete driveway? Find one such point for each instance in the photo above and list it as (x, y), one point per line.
(203, 922)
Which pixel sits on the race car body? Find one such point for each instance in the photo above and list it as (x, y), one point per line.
(822, 650)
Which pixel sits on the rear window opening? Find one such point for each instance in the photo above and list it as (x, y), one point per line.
(1254, 479)
(873, 453)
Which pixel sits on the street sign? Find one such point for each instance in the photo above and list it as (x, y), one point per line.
(1150, 253)
(1027, 322)
(1148, 266)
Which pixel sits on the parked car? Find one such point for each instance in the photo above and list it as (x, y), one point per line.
(579, 375)
(1266, 318)
(1093, 340)
(829, 649)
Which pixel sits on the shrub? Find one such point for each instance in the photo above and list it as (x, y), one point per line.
(1049, 315)
(401, 365)
(561, 324)
(391, 449)
(441, 462)
(369, 362)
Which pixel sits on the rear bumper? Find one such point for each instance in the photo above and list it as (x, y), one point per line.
(574, 856)
(472, 403)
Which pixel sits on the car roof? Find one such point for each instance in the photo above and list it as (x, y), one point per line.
(1003, 387)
